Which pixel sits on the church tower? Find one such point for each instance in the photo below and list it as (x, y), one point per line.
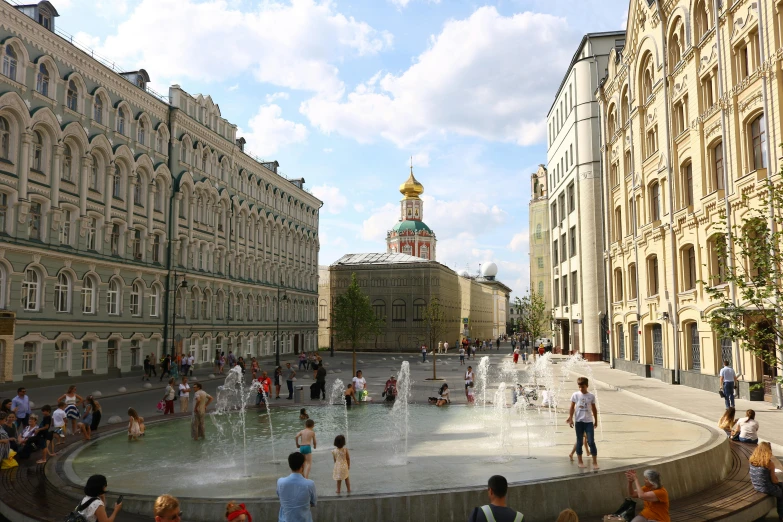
(410, 235)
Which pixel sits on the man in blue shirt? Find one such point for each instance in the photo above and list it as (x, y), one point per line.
(296, 493)
(20, 405)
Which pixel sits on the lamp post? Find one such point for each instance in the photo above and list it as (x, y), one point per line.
(177, 286)
(277, 335)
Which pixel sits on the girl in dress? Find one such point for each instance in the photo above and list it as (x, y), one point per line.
(72, 412)
(135, 425)
(342, 463)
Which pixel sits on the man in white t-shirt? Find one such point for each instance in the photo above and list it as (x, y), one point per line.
(583, 416)
(359, 386)
(727, 379)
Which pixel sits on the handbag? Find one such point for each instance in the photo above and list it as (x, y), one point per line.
(721, 393)
(161, 405)
(76, 516)
(627, 510)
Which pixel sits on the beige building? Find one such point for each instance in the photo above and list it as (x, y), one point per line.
(538, 217)
(691, 119)
(401, 286)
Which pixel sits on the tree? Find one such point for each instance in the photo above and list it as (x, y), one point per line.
(353, 318)
(746, 279)
(437, 326)
(534, 317)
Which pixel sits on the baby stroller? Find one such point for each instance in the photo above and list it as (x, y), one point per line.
(526, 393)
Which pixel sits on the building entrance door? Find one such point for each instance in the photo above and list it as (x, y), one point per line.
(575, 336)
(565, 336)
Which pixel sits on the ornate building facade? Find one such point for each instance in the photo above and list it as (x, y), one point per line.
(411, 235)
(691, 121)
(539, 241)
(133, 223)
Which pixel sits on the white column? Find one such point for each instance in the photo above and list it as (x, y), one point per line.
(84, 185)
(24, 164)
(175, 213)
(57, 168)
(129, 199)
(153, 189)
(108, 190)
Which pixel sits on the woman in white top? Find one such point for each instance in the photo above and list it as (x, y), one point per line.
(468, 379)
(72, 401)
(184, 395)
(93, 505)
(360, 386)
(746, 428)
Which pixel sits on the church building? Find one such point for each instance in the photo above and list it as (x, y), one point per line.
(411, 235)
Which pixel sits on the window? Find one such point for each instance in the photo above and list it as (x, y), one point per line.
(627, 164)
(652, 141)
(97, 109)
(571, 198)
(618, 284)
(758, 143)
(86, 355)
(10, 62)
(92, 232)
(540, 287)
(652, 276)
(31, 290)
(65, 228)
(135, 300)
(632, 281)
(378, 308)
(154, 300)
(618, 224)
(538, 231)
(141, 133)
(718, 250)
(121, 121)
(72, 96)
(555, 257)
(93, 173)
(574, 288)
(155, 248)
(556, 293)
(573, 240)
(3, 211)
(615, 174)
(113, 298)
(322, 311)
(220, 306)
(563, 251)
(88, 296)
(717, 166)
(693, 336)
(38, 152)
(647, 77)
(135, 353)
(554, 214)
(34, 220)
(62, 293)
(689, 268)
(655, 202)
(675, 52)
(707, 97)
(117, 182)
(30, 359)
(680, 117)
(5, 139)
(565, 290)
(137, 250)
(701, 19)
(419, 307)
(398, 311)
(159, 142)
(562, 204)
(138, 196)
(687, 185)
(540, 262)
(61, 349)
(42, 81)
(66, 173)
(115, 239)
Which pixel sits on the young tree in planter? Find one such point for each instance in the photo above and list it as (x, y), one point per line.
(353, 318)
(534, 317)
(437, 326)
(747, 284)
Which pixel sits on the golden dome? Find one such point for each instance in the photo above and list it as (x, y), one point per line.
(411, 189)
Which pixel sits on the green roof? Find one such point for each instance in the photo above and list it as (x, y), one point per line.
(411, 225)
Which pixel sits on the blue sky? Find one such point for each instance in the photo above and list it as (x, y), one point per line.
(344, 93)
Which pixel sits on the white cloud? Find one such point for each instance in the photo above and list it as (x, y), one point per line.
(328, 150)
(269, 132)
(334, 201)
(519, 243)
(450, 218)
(294, 45)
(83, 39)
(233, 87)
(276, 96)
(358, 207)
(420, 159)
(380, 221)
(475, 79)
(404, 3)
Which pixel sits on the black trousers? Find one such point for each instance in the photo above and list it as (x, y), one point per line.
(322, 387)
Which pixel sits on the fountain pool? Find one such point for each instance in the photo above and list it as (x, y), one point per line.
(448, 448)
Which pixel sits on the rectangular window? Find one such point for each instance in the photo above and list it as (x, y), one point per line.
(30, 359)
(135, 353)
(540, 262)
(652, 276)
(3, 211)
(627, 163)
(615, 174)
(556, 293)
(554, 213)
(86, 355)
(418, 311)
(137, 250)
(652, 141)
(65, 229)
(655, 202)
(563, 252)
(706, 92)
(573, 241)
(34, 221)
(571, 198)
(565, 290)
(562, 203)
(717, 160)
(555, 257)
(92, 232)
(574, 288)
(61, 356)
(155, 248)
(398, 311)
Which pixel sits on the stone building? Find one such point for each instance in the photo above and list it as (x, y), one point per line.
(540, 245)
(574, 191)
(691, 121)
(401, 286)
(112, 197)
(411, 235)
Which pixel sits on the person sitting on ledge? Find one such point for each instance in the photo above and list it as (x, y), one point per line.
(746, 429)
(496, 510)
(763, 477)
(726, 422)
(443, 396)
(654, 495)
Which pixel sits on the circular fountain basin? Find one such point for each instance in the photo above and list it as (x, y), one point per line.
(451, 450)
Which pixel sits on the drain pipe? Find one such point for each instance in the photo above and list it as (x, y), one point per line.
(673, 301)
(607, 243)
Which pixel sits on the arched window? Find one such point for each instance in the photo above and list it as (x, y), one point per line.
(141, 133)
(675, 44)
(31, 291)
(758, 143)
(42, 82)
(38, 161)
(196, 298)
(72, 96)
(378, 306)
(121, 121)
(701, 19)
(135, 300)
(5, 139)
(618, 284)
(117, 182)
(160, 142)
(97, 109)
(398, 311)
(647, 77)
(62, 293)
(655, 201)
(154, 301)
(67, 163)
(624, 107)
(611, 124)
(10, 62)
(113, 298)
(88, 296)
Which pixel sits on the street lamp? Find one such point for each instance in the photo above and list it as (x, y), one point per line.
(177, 286)
(277, 335)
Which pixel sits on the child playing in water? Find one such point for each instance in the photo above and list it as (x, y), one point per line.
(135, 425)
(342, 463)
(583, 416)
(303, 414)
(471, 394)
(305, 441)
(587, 449)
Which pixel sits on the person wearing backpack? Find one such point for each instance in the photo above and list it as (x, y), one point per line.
(93, 505)
(496, 510)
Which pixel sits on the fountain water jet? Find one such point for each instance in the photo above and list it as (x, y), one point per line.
(400, 414)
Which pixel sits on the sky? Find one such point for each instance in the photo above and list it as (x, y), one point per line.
(344, 94)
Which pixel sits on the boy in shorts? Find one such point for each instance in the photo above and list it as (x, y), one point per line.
(305, 441)
(44, 433)
(58, 423)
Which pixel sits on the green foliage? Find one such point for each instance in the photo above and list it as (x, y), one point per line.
(436, 322)
(749, 260)
(534, 317)
(353, 319)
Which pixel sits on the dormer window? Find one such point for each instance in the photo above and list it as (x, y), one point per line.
(45, 20)
(42, 85)
(140, 82)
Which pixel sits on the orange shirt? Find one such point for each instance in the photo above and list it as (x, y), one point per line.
(658, 511)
